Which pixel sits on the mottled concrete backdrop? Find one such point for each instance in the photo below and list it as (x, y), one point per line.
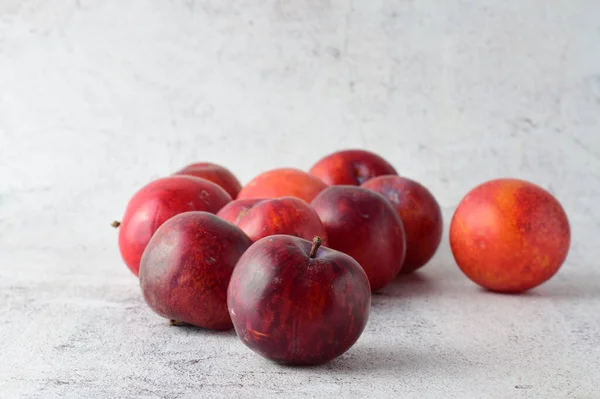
(99, 97)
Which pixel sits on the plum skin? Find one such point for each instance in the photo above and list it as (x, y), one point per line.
(509, 235)
(186, 267)
(420, 213)
(351, 167)
(294, 309)
(217, 174)
(157, 202)
(283, 215)
(364, 225)
(283, 182)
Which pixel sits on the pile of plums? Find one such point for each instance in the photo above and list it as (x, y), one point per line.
(291, 259)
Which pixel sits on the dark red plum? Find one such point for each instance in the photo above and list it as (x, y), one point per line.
(296, 302)
(216, 174)
(351, 167)
(186, 267)
(420, 213)
(283, 215)
(364, 225)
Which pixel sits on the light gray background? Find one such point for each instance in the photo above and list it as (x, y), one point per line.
(99, 97)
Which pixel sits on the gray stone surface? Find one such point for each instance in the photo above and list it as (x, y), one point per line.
(99, 97)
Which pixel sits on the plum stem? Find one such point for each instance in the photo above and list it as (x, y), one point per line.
(176, 323)
(115, 224)
(315, 246)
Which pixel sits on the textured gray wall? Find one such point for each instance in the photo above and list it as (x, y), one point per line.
(99, 97)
